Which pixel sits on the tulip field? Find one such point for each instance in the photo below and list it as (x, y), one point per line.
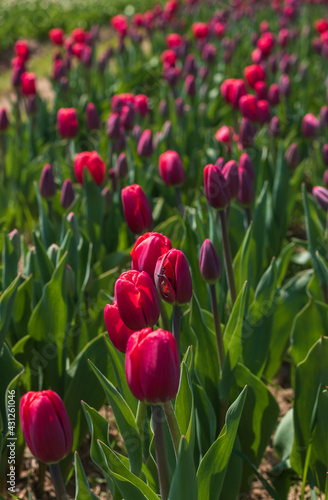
(164, 252)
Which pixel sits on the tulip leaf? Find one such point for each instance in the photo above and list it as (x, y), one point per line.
(184, 481)
(125, 421)
(22, 307)
(130, 485)
(82, 491)
(213, 467)
(119, 373)
(95, 206)
(184, 406)
(46, 228)
(10, 260)
(280, 193)
(241, 263)
(309, 324)
(205, 419)
(310, 413)
(45, 266)
(260, 414)
(284, 436)
(7, 300)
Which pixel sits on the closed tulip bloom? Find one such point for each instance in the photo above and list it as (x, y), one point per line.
(321, 195)
(21, 50)
(172, 277)
(248, 107)
(274, 127)
(93, 162)
(171, 168)
(223, 134)
(121, 167)
(92, 117)
(145, 145)
(4, 122)
(67, 194)
(152, 366)
(209, 53)
(261, 90)
(209, 262)
(200, 30)
(141, 105)
(284, 85)
(114, 126)
(215, 187)
(56, 35)
(246, 163)
(28, 84)
(274, 94)
(173, 40)
(190, 65)
(127, 117)
(79, 35)
(230, 172)
(247, 133)
(325, 178)
(146, 251)
(47, 182)
(310, 125)
(118, 332)
(190, 85)
(253, 74)
(246, 188)
(265, 43)
(137, 209)
(232, 90)
(325, 154)
(324, 116)
(137, 300)
(67, 123)
(46, 428)
(264, 113)
(293, 156)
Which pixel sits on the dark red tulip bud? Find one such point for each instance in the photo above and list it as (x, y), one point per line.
(248, 107)
(179, 106)
(209, 262)
(247, 133)
(137, 209)
(163, 108)
(218, 196)
(67, 194)
(325, 154)
(28, 84)
(246, 163)
(246, 188)
(171, 75)
(118, 332)
(190, 85)
(137, 300)
(209, 53)
(310, 125)
(171, 168)
(121, 167)
(127, 117)
(321, 195)
(190, 66)
(293, 156)
(230, 172)
(114, 126)
(172, 277)
(254, 74)
(47, 182)
(261, 90)
(274, 127)
(284, 85)
(152, 366)
(4, 122)
(141, 105)
(145, 145)
(46, 428)
(325, 178)
(274, 94)
(264, 113)
(324, 116)
(136, 132)
(21, 50)
(92, 117)
(56, 35)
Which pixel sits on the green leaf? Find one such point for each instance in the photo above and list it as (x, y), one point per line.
(241, 263)
(284, 436)
(280, 193)
(310, 375)
(125, 421)
(82, 491)
(184, 481)
(7, 301)
(95, 205)
(44, 264)
(212, 469)
(205, 419)
(184, 406)
(46, 228)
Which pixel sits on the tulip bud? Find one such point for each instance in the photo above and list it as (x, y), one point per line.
(190, 85)
(324, 116)
(152, 366)
(171, 168)
(247, 133)
(310, 125)
(179, 106)
(284, 85)
(146, 251)
(325, 154)
(4, 122)
(53, 253)
(274, 95)
(253, 74)
(172, 277)
(163, 108)
(93, 162)
(137, 209)
(325, 178)
(121, 167)
(293, 156)
(246, 163)
(47, 182)
(230, 172)
(261, 90)
(274, 127)
(214, 184)
(172, 75)
(246, 189)
(321, 195)
(263, 111)
(127, 117)
(118, 332)
(190, 66)
(203, 73)
(136, 132)
(28, 83)
(209, 263)
(67, 194)
(145, 145)
(248, 107)
(46, 428)
(113, 126)
(209, 53)
(137, 300)
(92, 117)
(67, 123)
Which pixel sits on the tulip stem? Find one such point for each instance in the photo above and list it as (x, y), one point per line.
(227, 257)
(140, 417)
(165, 319)
(161, 454)
(3, 156)
(217, 326)
(173, 425)
(248, 217)
(179, 201)
(176, 325)
(58, 481)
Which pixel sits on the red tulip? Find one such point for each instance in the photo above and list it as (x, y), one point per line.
(93, 162)
(45, 425)
(92, 117)
(310, 125)
(137, 300)
(146, 251)
(21, 50)
(67, 123)
(145, 145)
(120, 100)
(120, 24)
(173, 40)
(56, 35)
(172, 277)
(152, 366)
(118, 332)
(137, 209)
(253, 74)
(246, 188)
(199, 30)
(248, 107)
(79, 35)
(215, 187)
(28, 83)
(171, 168)
(141, 105)
(209, 262)
(232, 90)
(230, 173)
(263, 110)
(265, 43)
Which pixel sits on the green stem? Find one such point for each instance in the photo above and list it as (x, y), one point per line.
(248, 217)
(179, 201)
(3, 156)
(58, 481)
(176, 325)
(217, 326)
(227, 257)
(161, 454)
(173, 425)
(165, 319)
(140, 417)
